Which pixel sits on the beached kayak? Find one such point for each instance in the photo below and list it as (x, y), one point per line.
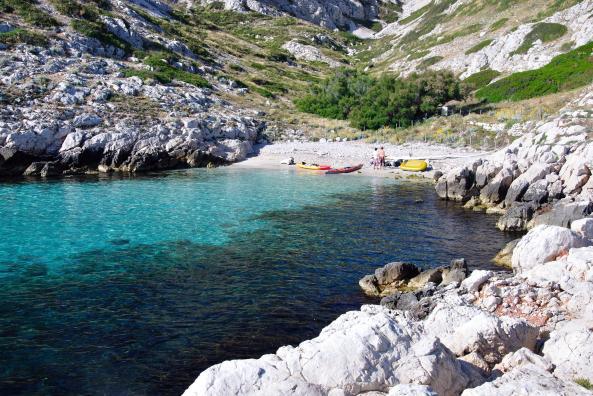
(314, 167)
(414, 165)
(346, 169)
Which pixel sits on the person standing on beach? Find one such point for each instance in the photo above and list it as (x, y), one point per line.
(381, 155)
(376, 159)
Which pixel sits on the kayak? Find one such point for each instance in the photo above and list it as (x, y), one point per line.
(414, 165)
(346, 169)
(314, 167)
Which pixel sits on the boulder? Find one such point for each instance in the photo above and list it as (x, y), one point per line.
(516, 217)
(457, 185)
(486, 172)
(527, 380)
(434, 275)
(397, 271)
(570, 349)
(583, 227)
(455, 273)
(574, 173)
(563, 213)
(86, 120)
(520, 185)
(14, 162)
(537, 192)
(544, 244)
(476, 279)
(361, 351)
(34, 169)
(520, 358)
(123, 31)
(466, 329)
(504, 257)
(369, 285)
(496, 190)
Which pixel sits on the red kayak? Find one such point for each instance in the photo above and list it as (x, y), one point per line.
(346, 169)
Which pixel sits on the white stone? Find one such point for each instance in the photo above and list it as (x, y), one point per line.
(361, 351)
(476, 279)
(542, 244)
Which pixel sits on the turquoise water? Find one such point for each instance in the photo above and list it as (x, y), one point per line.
(134, 285)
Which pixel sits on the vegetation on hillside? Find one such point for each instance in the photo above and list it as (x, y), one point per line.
(545, 32)
(375, 102)
(162, 71)
(565, 72)
(29, 11)
(481, 78)
(479, 46)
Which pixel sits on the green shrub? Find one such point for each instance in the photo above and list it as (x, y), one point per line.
(418, 54)
(545, 32)
(278, 55)
(163, 72)
(481, 78)
(372, 103)
(479, 46)
(585, 383)
(18, 36)
(30, 13)
(74, 9)
(430, 61)
(568, 71)
(498, 24)
(416, 14)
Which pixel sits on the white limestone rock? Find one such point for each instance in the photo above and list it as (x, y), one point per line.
(543, 244)
(527, 380)
(476, 279)
(361, 351)
(570, 349)
(466, 329)
(308, 53)
(583, 227)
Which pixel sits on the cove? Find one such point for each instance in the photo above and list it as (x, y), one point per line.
(133, 285)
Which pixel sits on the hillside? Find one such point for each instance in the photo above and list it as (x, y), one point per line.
(148, 84)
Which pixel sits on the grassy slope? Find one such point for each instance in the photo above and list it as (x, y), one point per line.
(565, 72)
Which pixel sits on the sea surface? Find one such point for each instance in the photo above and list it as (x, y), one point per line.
(134, 285)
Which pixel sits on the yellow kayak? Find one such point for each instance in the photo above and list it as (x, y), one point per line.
(414, 165)
(314, 167)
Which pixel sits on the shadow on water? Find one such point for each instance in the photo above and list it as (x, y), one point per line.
(147, 318)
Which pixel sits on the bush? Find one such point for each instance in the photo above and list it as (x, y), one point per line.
(498, 24)
(545, 32)
(585, 383)
(372, 103)
(74, 9)
(430, 61)
(568, 71)
(481, 78)
(18, 36)
(30, 13)
(163, 72)
(479, 46)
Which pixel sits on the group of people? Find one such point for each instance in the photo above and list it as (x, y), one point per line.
(379, 158)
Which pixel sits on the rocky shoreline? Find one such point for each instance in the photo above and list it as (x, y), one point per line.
(447, 332)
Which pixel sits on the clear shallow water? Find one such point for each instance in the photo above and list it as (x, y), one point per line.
(134, 285)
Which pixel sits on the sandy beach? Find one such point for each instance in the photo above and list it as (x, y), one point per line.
(337, 154)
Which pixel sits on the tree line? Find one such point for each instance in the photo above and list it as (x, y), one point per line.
(370, 102)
